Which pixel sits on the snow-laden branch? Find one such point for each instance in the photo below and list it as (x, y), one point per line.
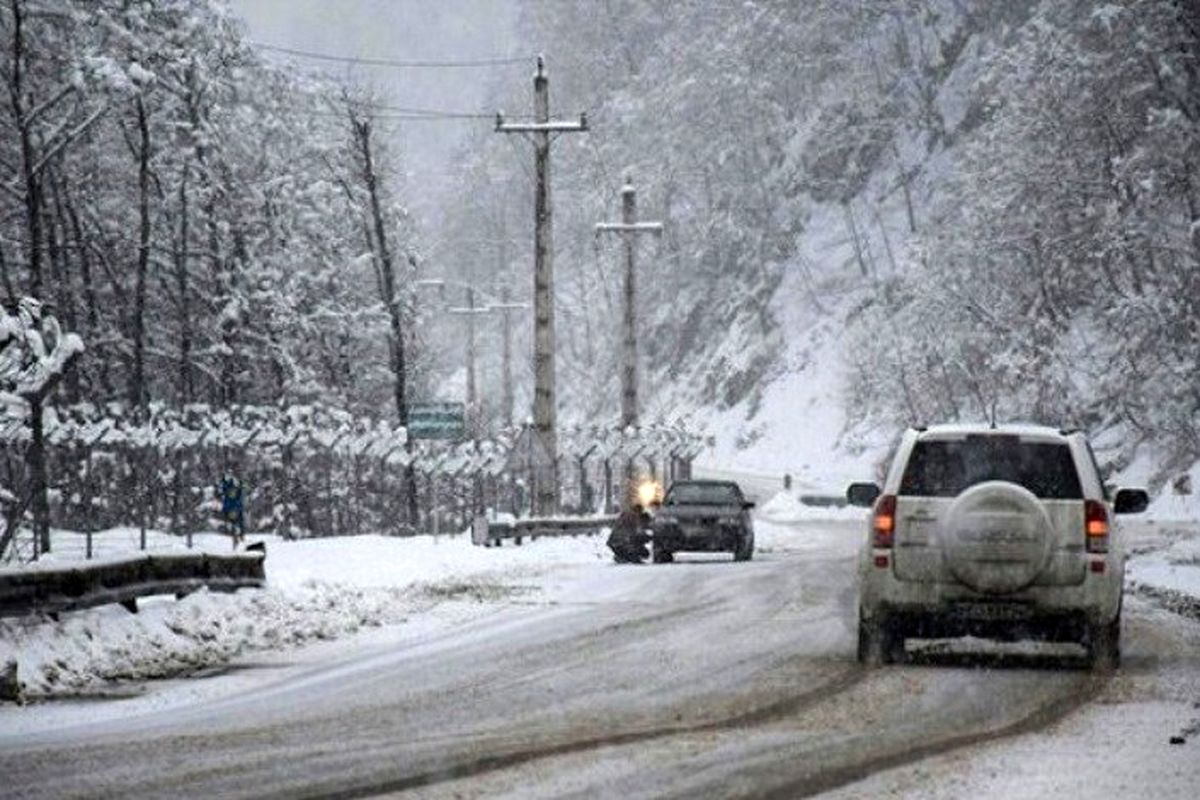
(34, 353)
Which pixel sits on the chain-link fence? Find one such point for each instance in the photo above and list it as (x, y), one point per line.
(310, 471)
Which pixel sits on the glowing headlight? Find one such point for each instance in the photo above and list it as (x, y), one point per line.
(649, 492)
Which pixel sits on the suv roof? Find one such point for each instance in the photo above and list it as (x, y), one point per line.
(959, 430)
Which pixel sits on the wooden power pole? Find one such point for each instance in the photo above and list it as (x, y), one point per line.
(506, 307)
(545, 423)
(630, 228)
(470, 311)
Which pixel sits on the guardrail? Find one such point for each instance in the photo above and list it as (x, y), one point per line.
(52, 590)
(491, 533)
(824, 500)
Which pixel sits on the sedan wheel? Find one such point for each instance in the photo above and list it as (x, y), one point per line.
(745, 549)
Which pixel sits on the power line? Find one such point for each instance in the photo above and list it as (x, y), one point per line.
(389, 62)
(389, 115)
(424, 112)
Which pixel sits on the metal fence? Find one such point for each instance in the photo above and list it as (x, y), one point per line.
(311, 471)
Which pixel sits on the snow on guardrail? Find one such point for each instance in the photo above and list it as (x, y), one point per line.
(53, 589)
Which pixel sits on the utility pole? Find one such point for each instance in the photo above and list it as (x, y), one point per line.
(506, 307)
(469, 312)
(630, 228)
(545, 415)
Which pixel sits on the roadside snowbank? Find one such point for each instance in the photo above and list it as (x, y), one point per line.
(1169, 577)
(785, 508)
(1179, 500)
(83, 652)
(1176, 568)
(383, 561)
(785, 525)
(318, 589)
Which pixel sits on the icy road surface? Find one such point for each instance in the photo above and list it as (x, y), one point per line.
(701, 678)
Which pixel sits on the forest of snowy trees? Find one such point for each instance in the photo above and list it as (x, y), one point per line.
(200, 217)
(219, 231)
(1015, 187)
(1058, 277)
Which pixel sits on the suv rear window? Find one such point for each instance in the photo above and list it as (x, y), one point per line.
(946, 468)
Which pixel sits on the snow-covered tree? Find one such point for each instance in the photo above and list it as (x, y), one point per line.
(1062, 266)
(34, 355)
(178, 197)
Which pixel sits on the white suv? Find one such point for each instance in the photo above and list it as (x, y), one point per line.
(998, 532)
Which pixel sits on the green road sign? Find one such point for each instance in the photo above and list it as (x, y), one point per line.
(437, 421)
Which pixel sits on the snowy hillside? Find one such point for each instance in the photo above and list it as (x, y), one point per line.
(898, 301)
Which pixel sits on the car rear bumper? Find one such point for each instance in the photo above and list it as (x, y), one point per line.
(1003, 622)
(704, 540)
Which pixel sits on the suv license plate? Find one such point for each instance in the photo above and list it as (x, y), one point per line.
(993, 611)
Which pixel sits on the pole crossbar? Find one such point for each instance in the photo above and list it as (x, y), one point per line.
(546, 127)
(636, 227)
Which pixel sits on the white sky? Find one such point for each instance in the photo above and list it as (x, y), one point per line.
(408, 30)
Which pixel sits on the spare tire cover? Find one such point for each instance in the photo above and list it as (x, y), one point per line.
(996, 537)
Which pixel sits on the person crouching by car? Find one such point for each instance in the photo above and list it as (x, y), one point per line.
(628, 538)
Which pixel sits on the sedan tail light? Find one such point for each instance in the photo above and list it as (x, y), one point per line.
(883, 521)
(1095, 526)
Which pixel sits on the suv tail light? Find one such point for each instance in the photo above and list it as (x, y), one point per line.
(1095, 526)
(883, 522)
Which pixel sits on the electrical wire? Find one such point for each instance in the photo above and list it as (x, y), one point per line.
(389, 62)
(389, 115)
(423, 112)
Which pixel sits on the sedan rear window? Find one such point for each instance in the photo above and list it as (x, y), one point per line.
(703, 494)
(947, 468)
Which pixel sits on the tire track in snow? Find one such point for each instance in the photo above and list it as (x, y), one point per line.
(771, 712)
(1043, 717)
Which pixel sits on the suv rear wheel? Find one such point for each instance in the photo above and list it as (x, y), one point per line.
(1104, 645)
(660, 555)
(879, 642)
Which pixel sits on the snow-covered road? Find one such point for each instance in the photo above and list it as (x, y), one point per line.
(702, 678)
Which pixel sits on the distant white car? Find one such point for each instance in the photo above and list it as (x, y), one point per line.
(998, 532)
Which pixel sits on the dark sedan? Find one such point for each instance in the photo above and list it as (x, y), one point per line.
(703, 517)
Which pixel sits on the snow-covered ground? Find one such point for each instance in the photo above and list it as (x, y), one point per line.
(1176, 569)
(1137, 737)
(377, 600)
(325, 589)
(318, 590)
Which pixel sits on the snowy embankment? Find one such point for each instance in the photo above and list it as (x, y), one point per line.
(1165, 557)
(318, 589)
(1170, 577)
